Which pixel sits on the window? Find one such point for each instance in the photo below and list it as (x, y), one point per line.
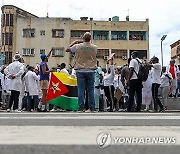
(118, 35)
(28, 32)
(101, 53)
(78, 33)
(42, 51)
(58, 52)
(178, 49)
(7, 38)
(120, 53)
(58, 33)
(42, 32)
(28, 52)
(8, 57)
(142, 54)
(11, 19)
(137, 35)
(101, 35)
(3, 19)
(2, 39)
(7, 19)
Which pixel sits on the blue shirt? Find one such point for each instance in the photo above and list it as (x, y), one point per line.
(44, 76)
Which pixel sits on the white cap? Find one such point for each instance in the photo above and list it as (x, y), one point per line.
(17, 56)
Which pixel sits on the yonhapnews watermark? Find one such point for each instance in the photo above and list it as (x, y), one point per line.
(105, 139)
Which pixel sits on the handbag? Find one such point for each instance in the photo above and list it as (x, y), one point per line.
(118, 93)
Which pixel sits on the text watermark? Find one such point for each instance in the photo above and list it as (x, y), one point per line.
(105, 139)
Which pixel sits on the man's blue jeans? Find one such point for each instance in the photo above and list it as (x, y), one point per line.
(29, 101)
(85, 80)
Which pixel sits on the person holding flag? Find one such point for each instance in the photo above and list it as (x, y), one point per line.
(44, 80)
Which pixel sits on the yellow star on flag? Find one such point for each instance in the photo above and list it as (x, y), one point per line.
(55, 87)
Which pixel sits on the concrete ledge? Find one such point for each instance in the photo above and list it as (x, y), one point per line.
(174, 104)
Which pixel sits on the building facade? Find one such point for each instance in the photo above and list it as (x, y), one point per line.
(31, 36)
(175, 51)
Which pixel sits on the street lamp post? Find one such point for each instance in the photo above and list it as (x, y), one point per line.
(162, 39)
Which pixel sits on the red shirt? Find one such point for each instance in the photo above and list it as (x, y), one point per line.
(171, 70)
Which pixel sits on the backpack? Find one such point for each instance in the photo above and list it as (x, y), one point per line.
(170, 79)
(143, 71)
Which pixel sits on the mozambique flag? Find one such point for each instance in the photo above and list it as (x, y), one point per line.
(62, 91)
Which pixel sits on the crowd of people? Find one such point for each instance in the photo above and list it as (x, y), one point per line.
(117, 88)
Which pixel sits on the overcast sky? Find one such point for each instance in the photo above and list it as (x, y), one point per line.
(163, 15)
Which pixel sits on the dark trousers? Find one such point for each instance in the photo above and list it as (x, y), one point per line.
(101, 102)
(14, 98)
(109, 93)
(135, 86)
(156, 100)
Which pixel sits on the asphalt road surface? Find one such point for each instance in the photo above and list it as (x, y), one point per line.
(89, 133)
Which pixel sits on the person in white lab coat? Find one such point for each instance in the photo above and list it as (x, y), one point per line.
(23, 89)
(5, 89)
(14, 72)
(31, 82)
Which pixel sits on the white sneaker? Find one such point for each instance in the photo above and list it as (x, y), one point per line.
(16, 110)
(8, 110)
(53, 110)
(88, 111)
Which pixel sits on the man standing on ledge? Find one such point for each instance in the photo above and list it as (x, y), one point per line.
(85, 65)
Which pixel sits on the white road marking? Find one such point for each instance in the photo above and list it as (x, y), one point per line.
(94, 117)
(79, 135)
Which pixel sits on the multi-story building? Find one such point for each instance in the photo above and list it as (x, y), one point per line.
(175, 52)
(30, 35)
(9, 26)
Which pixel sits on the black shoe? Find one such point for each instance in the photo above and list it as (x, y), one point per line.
(170, 95)
(162, 110)
(111, 110)
(39, 110)
(45, 110)
(81, 110)
(137, 110)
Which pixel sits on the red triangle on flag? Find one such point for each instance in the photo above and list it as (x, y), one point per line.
(56, 88)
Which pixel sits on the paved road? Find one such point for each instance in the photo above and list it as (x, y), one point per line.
(28, 133)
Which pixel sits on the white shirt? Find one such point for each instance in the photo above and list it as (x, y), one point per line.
(134, 64)
(73, 73)
(118, 84)
(31, 81)
(156, 73)
(17, 69)
(64, 70)
(109, 78)
(175, 70)
(165, 80)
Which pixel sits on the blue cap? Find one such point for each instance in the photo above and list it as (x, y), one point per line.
(43, 56)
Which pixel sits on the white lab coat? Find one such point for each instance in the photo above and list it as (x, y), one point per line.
(5, 84)
(147, 90)
(17, 69)
(31, 82)
(118, 84)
